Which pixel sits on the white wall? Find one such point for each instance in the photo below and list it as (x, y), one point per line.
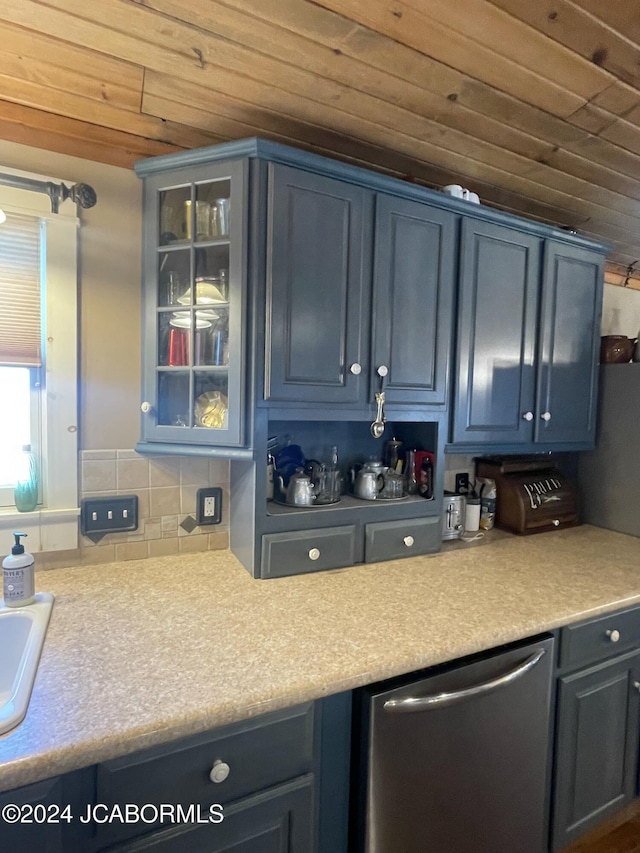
(620, 311)
(109, 298)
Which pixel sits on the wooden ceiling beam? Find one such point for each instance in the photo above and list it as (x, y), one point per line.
(577, 29)
(481, 56)
(63, 135)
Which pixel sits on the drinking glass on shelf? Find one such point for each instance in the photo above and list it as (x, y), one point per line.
(220, 217)
(176, 288)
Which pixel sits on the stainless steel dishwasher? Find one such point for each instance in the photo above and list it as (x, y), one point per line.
(458, 761)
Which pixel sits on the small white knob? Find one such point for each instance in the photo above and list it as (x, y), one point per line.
(636, 684)
(614, 635)
(219, 771)
(546, 416)
(382, 370)
(146, 407)
(356, 368)
(556, 522)
(527, 416)
(408, 541)
(314, 553)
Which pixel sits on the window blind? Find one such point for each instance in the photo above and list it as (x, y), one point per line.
(20, 336)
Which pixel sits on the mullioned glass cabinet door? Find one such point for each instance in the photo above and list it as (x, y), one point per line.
(194, 305)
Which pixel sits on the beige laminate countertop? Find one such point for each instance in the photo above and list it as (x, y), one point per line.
(140, 653)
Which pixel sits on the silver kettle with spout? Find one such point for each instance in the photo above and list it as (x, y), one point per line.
(300, 491)
(368, 481)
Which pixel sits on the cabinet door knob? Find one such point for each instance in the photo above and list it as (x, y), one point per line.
(219, 771)
(546, 416)
(382, 370)
(636, 684)
(146, 407)
(556, 522)
(408, 541)
(527, 416)
(356, 368)
(614, 635)
(314, 553)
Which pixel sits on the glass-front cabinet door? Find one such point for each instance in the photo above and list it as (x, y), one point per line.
(193, 371)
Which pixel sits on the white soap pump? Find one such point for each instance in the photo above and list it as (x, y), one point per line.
(18, 576)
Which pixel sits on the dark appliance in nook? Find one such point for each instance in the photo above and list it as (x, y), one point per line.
(533, 495)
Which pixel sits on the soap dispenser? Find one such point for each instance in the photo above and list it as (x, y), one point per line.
(18, 577)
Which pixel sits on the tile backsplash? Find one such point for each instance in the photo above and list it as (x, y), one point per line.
(166, 487)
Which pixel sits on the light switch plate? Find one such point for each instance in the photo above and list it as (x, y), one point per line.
(108, 515)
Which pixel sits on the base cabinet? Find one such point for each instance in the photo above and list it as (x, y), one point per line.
(598, 726)
(278, 783)
(276, 821)
(32, 832)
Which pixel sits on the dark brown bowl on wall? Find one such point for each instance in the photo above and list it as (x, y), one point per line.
(616, 349)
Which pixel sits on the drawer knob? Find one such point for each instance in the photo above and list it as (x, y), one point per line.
(408, 541)
(146, 407)
(527, 416)
(314, 553)
(382, 371)
(636, 684)
(614, 635)
(219, 771)
(556, 522)
(546, 416)
(356, 368)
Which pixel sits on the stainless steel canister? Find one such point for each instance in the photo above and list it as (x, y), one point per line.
(452, 516)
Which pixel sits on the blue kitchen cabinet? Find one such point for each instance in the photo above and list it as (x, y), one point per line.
(284, 291)
(49, 814)
(276, 783)
(317, 289)
(276, 821)
(528, 341)
(360, 290)
(39, 806)
(598, 723)
(569, 346)
(194, 307)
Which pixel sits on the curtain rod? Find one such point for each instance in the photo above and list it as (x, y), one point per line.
(81, 194)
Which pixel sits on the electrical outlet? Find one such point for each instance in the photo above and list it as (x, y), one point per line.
(462, 482)
(209, 505)
(108, 515)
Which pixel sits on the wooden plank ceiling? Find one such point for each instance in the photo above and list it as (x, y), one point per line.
(533, 105)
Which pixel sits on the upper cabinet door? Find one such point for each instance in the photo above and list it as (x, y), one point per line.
(498, 300)
(195, 305)
(317, 267)
(413, 288)
(569, 345)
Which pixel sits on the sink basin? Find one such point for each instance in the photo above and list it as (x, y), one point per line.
(22, 632)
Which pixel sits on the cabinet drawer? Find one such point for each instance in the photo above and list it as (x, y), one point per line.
(308, 551)
(259, 753)
(599, 638)
(389, 540)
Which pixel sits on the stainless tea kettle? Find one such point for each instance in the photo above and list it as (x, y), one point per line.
(368, 481)
(300, 491)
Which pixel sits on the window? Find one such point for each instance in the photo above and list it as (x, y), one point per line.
(38, 363)
(16, 425)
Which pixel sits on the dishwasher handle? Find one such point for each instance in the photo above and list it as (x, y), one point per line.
(438, 700)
